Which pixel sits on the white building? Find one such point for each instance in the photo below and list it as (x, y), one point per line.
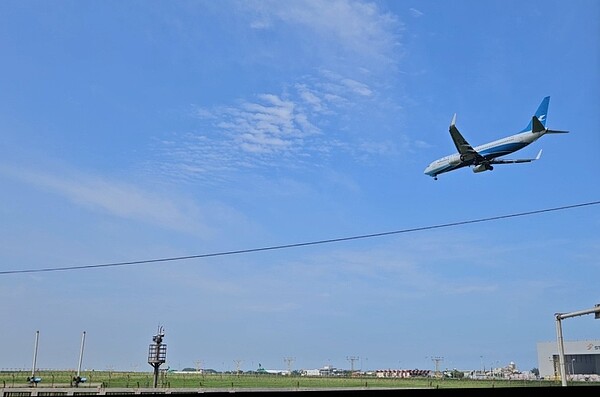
(327, 370)
(581, 358)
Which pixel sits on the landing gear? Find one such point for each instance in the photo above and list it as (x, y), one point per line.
(435, 178)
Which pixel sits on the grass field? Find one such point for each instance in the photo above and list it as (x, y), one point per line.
(138, 380)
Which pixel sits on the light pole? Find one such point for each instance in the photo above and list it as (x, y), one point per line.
(34, 380)
(78, 379)
(352, 360)
(437, 365)
(289, 361)
(238, 364)
(572, 368)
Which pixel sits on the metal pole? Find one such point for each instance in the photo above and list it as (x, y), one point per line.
(81, 354)
(156, 375)
(35, 349)
(561, 347)
(561, 351)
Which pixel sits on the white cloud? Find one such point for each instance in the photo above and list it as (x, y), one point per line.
(270, 125)
(415, 13)
(356, 26)
(338, 89)
(311, 98)
(303, 126)
(119, 199)
(260, 24)
(357, 87)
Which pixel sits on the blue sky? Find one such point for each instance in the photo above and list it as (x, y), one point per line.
(139, 130)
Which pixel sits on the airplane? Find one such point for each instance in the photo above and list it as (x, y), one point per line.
(482, 158)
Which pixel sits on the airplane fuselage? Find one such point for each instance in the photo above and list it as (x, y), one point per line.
(484, 157)
(491, 150)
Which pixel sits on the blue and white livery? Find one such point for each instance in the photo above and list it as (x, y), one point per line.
(481, 158)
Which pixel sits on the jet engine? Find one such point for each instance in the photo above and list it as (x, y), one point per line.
(482, 167)
(454, 161)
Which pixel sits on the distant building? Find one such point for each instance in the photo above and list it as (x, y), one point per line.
(509, 371)
(311, 372)
(327, 370)
(582, 358)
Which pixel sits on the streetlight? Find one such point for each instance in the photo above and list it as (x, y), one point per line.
(572, 367)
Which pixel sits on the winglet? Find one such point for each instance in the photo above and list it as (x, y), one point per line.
(539, 155)
(453, 123)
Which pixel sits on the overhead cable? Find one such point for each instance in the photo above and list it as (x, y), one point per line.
(296, 245)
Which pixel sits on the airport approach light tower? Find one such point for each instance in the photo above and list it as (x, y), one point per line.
(157, 353)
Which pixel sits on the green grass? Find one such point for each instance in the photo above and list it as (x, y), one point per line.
(110, 379)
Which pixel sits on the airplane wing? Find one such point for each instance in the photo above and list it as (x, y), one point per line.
(467, 153)
(511, 161)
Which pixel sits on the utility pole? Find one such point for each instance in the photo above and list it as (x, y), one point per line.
(199, 366)
(437, 361)
(238, 364)
(352, 359)
(289, 361)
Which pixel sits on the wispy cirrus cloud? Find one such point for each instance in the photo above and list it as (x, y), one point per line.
(302, 126)
(360, 28)
(313, 118)
(415, 13)
(117, 198)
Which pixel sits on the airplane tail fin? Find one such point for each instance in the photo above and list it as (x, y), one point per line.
(537, 125)
(541, 114)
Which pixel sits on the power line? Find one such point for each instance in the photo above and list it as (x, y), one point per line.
(295, 245)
